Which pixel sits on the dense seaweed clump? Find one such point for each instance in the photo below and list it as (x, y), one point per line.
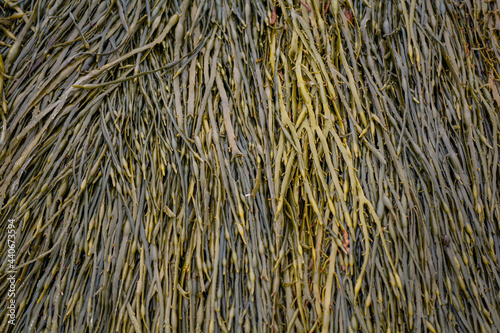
(250, 166)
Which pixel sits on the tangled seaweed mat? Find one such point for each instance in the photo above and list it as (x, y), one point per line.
(267, 166)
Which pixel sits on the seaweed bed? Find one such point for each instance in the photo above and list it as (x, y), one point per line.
(269, 166)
